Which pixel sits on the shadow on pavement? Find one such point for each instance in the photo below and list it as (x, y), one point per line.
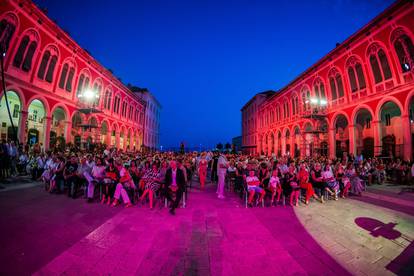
(404, 263)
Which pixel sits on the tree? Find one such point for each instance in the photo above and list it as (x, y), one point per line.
(228, 146)
(219, 146)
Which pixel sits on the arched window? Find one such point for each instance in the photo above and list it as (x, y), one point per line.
(66, 77)
(293, 106)
(352, 79)
(83, 84)
(319, 90)
(297, 104)
(124, 109)
(279, 112)
(86, 84)
(316, 91)
(336, 84)
(116, 104)
(306, 99)
(405, 51)
(18, 58)
(384, 64)
(339, 85)
(7, 29)
(107, 99)
(355, 75)
(375, 68)
(51, 69)
(24, 55)
(379, 63)
(27, 63)
(43, 65)
(286, 109)
(131, 112)
(63, 76)
(48, 64)
(69, 81)
(97, 88)
(80, 85)
(360, 76)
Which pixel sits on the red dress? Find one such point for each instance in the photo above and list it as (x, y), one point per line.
(304, 183)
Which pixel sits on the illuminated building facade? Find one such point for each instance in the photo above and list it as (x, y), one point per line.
(58, 93)
(356, 99)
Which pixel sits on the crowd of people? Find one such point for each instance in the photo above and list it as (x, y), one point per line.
(112, 177)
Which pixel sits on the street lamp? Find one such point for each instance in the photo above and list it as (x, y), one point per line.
(319, 102)
(314, 101)
(89, 95)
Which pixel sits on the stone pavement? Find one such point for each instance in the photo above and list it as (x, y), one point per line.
(52, 235)
(365, 239)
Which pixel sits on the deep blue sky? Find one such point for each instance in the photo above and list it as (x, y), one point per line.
(204, 60)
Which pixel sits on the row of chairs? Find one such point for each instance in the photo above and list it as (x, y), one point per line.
(245, 195)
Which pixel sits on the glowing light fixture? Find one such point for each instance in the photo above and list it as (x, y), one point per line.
(88, 94)
(323, 102)
(314, 101)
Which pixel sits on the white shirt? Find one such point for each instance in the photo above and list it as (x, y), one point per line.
(251, 179)
(327, 174)
(274, 181)
(221, 161)
(98, 171)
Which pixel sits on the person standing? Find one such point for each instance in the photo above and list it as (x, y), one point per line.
(214, 168)
(13, 154)
(202, 170)
(222, 166)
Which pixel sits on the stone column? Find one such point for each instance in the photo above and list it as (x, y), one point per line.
(117, 139)
(331, 137)
(48, 126)
(125, 145)
(302, 144)
(406, 128)
(68, 132)
(377, 137)
(22, 127)
(283, 145)
(108, 137)
(352, 148)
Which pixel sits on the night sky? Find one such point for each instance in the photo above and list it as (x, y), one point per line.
(204, 60)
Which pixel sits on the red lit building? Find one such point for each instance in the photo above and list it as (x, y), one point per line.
(250, 114)
(357, 99)
(57, 91)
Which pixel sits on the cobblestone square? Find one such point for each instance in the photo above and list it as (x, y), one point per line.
(47, 234)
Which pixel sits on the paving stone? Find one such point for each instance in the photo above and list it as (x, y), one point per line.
(209, 237)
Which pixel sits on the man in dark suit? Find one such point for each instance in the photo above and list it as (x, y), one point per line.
(174, 181)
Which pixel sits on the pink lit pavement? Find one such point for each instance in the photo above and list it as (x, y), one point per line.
(46, 234)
